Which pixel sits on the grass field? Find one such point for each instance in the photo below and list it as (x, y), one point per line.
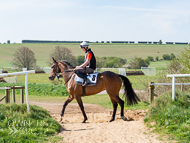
(127, 51)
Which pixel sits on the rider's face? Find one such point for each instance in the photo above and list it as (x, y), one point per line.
(84, 49)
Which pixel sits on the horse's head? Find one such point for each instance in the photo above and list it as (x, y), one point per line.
(58, 67)
(54, 69)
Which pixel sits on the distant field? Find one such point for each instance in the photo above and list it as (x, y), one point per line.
(127, 51)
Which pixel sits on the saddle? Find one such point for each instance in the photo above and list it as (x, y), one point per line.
(92, 77)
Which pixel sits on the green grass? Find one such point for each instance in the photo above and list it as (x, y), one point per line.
(159, 65)
(43, 79)
(171, 117)
(126, 51)
(40, 89)
(17, 125)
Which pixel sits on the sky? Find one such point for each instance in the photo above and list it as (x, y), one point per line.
(95, 20)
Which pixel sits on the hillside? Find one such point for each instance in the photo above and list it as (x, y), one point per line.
(127, 51)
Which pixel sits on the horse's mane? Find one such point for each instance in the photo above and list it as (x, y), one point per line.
(67, 63)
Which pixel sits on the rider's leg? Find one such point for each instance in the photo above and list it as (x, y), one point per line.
(81, 73)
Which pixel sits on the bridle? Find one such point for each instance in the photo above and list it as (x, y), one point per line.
(54, 69)
(57, 75)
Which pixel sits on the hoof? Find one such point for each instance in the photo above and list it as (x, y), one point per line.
(124, 118)
(111, 120)
(84, 121)
(60, 119)
(127, 119)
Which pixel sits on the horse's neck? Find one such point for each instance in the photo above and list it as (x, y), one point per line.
(65, 75)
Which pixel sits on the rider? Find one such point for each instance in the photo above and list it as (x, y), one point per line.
(89, 64)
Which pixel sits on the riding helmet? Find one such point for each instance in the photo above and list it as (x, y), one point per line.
(83, 44)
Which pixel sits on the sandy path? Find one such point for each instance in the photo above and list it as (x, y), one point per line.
(98, 129)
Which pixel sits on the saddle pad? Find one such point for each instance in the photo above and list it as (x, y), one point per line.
(92, 77)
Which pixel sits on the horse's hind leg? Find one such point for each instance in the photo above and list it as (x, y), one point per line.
(69, 99)
(79, 100)
(121, 103)
(114, 103)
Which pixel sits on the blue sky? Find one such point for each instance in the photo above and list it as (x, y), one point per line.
(95, 20)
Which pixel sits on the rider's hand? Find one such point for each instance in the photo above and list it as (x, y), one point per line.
(77, 67)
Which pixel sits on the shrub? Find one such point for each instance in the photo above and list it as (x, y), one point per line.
(150, 58)
(157, 58)
(137, 63)
(171, 117)
(184, 60)
(80, 59)
(110, 62)
(174, 67)
(166, 56)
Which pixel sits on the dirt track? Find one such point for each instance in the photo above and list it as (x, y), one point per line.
(98, 129)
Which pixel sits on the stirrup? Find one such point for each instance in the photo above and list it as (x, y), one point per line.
(86, 82)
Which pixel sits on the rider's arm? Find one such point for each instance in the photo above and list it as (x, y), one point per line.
(88, 58)
(85, 63)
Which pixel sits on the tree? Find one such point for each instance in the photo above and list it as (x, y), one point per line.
(150, 58)
(160, 42)
(184, 60)
(110, 62)
(137, 63)
(8, 41)
(157, 58)
(62, 53)
(166, 56)
(174, 66)
(80, 59)
(24, 58)
(172, 56)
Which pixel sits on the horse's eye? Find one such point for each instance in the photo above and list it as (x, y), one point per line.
(53, 66)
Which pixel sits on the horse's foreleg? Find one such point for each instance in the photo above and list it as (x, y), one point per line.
(69, 99)
(79, 100)
(114, 103)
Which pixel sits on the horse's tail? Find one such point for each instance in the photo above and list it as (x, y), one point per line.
(129, 94)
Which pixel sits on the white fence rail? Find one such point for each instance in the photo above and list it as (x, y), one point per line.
(173, 82)
(26, 82)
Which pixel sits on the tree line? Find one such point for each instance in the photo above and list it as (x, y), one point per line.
(24, 57)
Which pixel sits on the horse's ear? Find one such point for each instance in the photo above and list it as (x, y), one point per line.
(54, 59)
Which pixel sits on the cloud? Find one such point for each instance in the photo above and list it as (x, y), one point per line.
(148, 10)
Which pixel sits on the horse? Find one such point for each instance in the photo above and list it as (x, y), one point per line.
(109, 81)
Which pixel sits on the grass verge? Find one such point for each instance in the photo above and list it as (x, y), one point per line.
(40, 89)
(171, 117)
(19, 126)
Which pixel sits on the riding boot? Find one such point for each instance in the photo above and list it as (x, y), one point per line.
(86, 80)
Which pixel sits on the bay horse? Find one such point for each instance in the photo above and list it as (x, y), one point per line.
(109, 81)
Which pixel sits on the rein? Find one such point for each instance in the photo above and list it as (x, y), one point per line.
(54, 72)
(69, 78)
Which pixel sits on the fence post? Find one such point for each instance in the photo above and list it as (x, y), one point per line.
(13, 94)
(182, 86)
(151, 92)
(7, 93)
(22, 95)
